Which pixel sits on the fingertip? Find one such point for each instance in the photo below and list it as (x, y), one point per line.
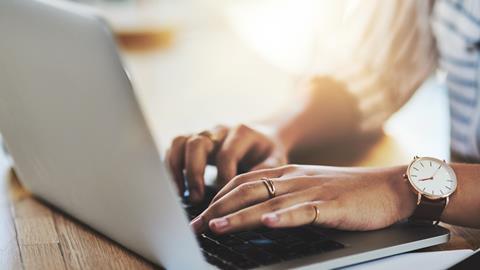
(219, 225)
(197, 224)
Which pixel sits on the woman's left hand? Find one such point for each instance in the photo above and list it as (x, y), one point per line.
(334, 197)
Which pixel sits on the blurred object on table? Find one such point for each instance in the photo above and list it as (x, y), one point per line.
(141, 24)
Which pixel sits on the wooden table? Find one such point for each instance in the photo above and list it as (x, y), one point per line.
(36, 236)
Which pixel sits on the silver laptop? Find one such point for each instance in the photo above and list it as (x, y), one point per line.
(79, 141)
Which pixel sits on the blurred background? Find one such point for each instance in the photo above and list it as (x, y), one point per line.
(197, 63)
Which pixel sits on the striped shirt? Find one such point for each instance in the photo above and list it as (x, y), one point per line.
(456, 25)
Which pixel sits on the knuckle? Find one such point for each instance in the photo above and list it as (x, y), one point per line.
(243, 129)
(286, 169)
(221, 127)
(179, 140)
(291, 167)
(239, 218)
(224, 156)
(238, 180)
(276, 203)
(245, 188)
(213, 210)
(319, 188)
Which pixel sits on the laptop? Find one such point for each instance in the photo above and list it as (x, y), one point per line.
(79, 141)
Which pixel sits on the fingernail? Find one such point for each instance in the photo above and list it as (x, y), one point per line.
(219, 224)
(197, 224)
(271, 218)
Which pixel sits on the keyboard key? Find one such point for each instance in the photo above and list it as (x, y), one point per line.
(320, 230)
(327, 245)
(244, 248)
(228, 239)
(289, 241)
(261, 242)
(296, 251)
(228, 255)
(304, 233)
(248, 235)
(261, 230)
(232, 241)
(275, 234)
(205, 242)
(217, 237)
(245, 264)
(218, 262)
(262, 257)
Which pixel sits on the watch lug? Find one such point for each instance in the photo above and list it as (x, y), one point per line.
(419, 198)
(416, 157)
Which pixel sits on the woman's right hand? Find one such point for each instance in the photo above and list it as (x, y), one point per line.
(232, 150)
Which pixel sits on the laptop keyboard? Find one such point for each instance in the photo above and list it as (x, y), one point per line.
(263, 246)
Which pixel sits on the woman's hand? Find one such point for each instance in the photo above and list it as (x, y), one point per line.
(231, 150)
(342, 198)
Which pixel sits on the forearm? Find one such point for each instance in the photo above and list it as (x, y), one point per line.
(464, 204)
(327, 112)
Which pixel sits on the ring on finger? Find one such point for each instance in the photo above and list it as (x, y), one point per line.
(215, 139)
(270, 186)
(317, 213)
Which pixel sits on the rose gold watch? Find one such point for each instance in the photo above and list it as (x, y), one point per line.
(434, 181)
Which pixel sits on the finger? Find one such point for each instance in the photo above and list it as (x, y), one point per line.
(247, 177)
(197, 150)
(258, 153)
(250, 217)
(175, 158)
(251, 193)
(322, 213)
(219, 133)
(236, 145)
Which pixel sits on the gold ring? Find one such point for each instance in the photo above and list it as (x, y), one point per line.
(270, 186)
(209, 135)
(317, 213)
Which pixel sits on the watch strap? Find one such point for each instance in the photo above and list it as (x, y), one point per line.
(428, 211)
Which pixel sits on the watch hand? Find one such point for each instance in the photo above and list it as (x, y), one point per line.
(425, 179)
(431, 177)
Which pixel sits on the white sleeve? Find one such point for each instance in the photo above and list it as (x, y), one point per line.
(382, 50)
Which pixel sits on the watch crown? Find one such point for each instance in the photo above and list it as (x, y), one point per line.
(404, 176)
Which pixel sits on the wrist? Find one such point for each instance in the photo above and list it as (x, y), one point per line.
(406, 198)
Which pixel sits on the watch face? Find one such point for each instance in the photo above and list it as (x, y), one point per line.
(432, 177)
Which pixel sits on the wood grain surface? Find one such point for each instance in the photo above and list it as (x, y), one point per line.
(35, 235)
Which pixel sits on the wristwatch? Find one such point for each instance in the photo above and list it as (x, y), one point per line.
(434, 181)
